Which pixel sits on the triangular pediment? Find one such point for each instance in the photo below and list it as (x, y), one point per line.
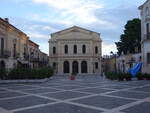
(74, 29)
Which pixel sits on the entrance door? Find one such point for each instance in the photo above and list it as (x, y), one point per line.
(83, 67)
(75, 67)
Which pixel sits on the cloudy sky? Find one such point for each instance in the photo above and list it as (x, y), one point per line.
(39, 18)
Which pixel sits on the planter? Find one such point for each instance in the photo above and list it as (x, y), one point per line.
(72, 77)
(128, 79)
(121, 79)
(140, 78)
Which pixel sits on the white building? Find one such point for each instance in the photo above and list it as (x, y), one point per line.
(126, 62)
(145, 27)
(75, 50)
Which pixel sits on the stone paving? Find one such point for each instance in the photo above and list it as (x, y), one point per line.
(86, 94)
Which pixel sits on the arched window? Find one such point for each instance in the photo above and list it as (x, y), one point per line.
(54, 50)
(96, 65)
(75, 49)
(96, 50)
(54, 65)
(83, 67)
(83, 49)
(66, 49)
(66, 67)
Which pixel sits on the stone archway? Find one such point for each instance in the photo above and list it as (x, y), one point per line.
(75, 67)
(66, 67)
(83, 67)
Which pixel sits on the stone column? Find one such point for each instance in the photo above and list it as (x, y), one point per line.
(79, 66)
(70, 66)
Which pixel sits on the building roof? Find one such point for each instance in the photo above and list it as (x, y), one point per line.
(141, 7)
(7, 22)
(33, 43)
(75, 27)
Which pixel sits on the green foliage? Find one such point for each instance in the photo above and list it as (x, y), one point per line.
(3, 73)
(131, 37)
(23, 73)
(118, 76)
(140, 76)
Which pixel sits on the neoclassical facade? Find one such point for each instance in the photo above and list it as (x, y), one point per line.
(75, 50)
(145, 31)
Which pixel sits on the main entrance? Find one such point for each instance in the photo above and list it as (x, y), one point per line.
(75, 67)
(83, 67)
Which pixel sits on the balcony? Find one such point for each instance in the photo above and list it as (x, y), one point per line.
(146, 37)
(5, 54)
(16, 55)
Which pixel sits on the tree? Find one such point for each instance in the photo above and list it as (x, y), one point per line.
(131, 39)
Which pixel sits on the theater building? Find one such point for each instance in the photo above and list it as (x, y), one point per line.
(75, 50)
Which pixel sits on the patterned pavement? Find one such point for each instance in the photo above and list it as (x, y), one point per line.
(86, 94)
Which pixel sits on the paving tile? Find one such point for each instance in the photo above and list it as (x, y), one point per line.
(128, 94)
(65, 95)
(21, 87)
(140, 108)
(27, 101)
(104, 101)
(143, 89)
(8, 94)
(69, 87)
(95, 90)
(40, 90)
(61, 108)
(2, 90)
(117, 86)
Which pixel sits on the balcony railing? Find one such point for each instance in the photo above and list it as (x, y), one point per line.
(33, 59)
(5, 54)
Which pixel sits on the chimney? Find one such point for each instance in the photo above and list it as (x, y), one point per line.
(6, 20)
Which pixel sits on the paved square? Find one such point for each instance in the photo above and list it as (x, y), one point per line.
(10, 104)
(65, 95)
(140, 108)
(128, 94)
(103, 101)
(61, 108)
(95, 90)
(40, 90)
(8, 94)
(86, 94)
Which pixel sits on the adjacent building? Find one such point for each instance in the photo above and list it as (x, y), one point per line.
(145, 31)
(75, 50)
(16, 50)
(125, 62)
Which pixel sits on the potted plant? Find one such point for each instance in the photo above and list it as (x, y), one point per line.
(140, 76)
(120, 76)
(147, 76)
(128, 77)
(73, 75)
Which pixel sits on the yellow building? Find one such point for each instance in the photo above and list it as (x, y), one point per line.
(16, 50)
(13, 45)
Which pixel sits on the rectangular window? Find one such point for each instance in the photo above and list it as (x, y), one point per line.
(96, 65)
(2, 46)
(148, 58)
(14, 50)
